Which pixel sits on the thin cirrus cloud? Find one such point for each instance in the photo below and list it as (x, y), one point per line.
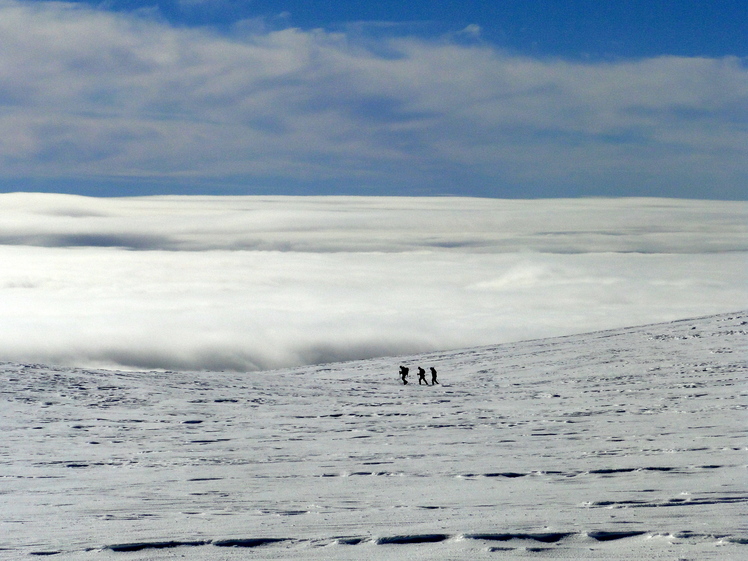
(115, 99)
(247, 283)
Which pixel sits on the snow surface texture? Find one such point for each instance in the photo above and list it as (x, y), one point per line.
(619, 444)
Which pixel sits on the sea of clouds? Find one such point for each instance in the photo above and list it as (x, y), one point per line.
(247, 283)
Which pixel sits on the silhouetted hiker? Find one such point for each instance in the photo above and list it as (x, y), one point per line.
(404, 374)
(433, 376)
(422, 376)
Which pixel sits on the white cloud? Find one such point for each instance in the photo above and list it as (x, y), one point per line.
(94, 94)
(261, 282)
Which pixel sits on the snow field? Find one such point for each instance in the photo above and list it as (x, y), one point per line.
(609, 445)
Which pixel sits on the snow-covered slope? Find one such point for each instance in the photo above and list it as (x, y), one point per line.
(617, 444)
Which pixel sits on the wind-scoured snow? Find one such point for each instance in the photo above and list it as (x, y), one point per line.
(620, 444)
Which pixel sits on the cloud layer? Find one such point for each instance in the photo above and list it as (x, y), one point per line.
(97, 96)
(262, 282)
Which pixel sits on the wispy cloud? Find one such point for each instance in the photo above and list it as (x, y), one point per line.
(91, 94)
(262, 282)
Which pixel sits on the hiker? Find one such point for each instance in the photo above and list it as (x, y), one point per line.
(404, 374)
(422, 376)
(433, 376)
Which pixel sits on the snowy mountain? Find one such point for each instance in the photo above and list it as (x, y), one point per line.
(620, 444)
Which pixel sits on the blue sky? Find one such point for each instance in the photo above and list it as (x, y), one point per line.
(516, 99)
(569, 28)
